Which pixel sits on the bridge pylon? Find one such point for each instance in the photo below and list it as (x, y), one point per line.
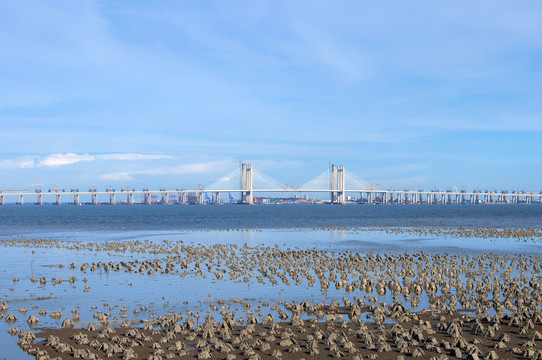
(337, 181)
(246, 184)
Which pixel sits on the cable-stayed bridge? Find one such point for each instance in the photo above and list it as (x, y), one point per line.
(247, 182)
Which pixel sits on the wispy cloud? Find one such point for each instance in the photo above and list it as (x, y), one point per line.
(61, 159)
(132, 156)
(118, 176)
(184, 169)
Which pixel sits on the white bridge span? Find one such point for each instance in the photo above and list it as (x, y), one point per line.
(337, 190)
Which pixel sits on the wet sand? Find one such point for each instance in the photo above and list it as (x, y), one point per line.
(328, 303)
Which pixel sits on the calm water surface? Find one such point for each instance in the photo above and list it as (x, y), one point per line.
(21, 219)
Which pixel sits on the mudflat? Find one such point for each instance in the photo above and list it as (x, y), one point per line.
(331, 303)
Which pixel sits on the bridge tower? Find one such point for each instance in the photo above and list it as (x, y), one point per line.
(337, 182)
(246, 184)
(333, 183)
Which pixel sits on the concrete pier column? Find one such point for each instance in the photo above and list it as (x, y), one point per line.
(111, 192)
(146, 196)
(93, 196)
(1, 199)
(129, 196)
(58, 200)
(163, 195)
(182, 198)
(20, 200)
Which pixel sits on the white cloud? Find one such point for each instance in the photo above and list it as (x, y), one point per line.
(60, 159)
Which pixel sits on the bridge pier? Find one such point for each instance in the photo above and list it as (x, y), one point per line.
(146, 197)
(180, 195)
(129, 197)
(94, 196)
(20, 200)
(164, 196)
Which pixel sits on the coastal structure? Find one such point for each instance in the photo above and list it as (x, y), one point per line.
(337, 190)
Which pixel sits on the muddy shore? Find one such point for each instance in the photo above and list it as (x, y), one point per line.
(380, 305)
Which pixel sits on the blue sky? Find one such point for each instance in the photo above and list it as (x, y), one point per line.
(403, 93)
